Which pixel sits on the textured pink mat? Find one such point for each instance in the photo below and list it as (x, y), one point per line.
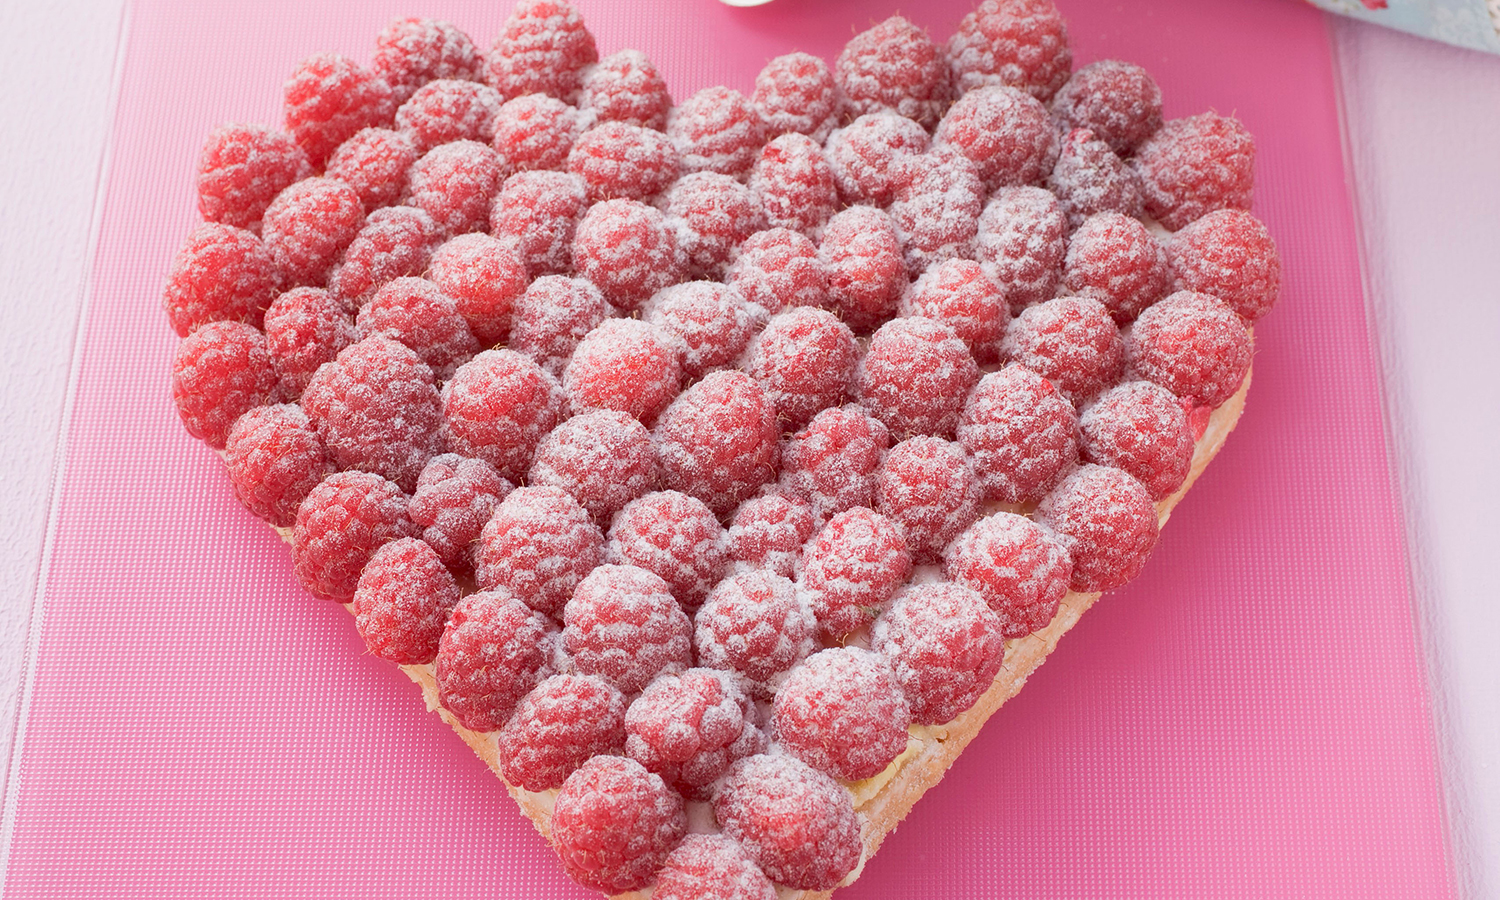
(1248, 719)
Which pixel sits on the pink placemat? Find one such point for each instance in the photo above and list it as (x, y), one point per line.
(1249, 718)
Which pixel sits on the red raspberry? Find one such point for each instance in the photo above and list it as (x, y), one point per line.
(484, 276)
(1020, 568)
(1070, 341)
(623, 364)
(852, 568)
(1115, 260)
(604, 458)
(689, 728)
(768, 533)
(411, 52)
(674, 536)
(625, 161)
(831, 463)
(1089, 178)
(222, 273)
(1023, 237)
(377, 408)
(329, 98)
(1142, 428)
(623, 625)
(221, 371)
(455, 183)
(927, 487)
(614, 824)
(895, 67)
(717, 441)
(1005, 131)
(1106, 521)
(795, 183)
(564, 721)
(805, 360)
(275, 459)
(861, 254)
(538, 214)
(714, 214)
(455, 497)
(756, 625)
(1019, 43)
(542, 49)
(340, 524)
(394, 242)
(797, 93)
(449, 110)
(873, 156)
(402, 602)
(417, 313)
(305, 327)
(796, 823)
(241, 170)
(498, 407)
(1118, 101)
(628, 250)
(711, 865)
(1191, 167)
(957, 293)
(778, 269)
(1192, 345)
(538, 545)
(374, 162)
(625, 87)
(535, 131)
(915, 375)
(936, 214)
(842, 711)
(1020, 431)
(552, 316)
(308, 225)
(946, 646)
(719, 130)
(1230, 255)
(493, 652)
(709, 322)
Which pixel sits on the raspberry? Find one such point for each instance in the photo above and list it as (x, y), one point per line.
(1106, 521)
(614, 824)
(1118, 101)
(796, 823)
(623, 364)
(374, 162)
(603, 458)
(221, 371)
(377, 408)
(1142, 428)
(689, 728)
(1070, 341)
(623, 625)
(1023, 238)
(1115, 260)
(625, 87)
(756, 625)
(552, 316)
(499, 406)
(394, 242)
(714, 214)
(1019, 43)
(275, 459)
(915, 375)
(711, 865)
(895, 67)
(542, 49)
(411, 52)
(717, 441)
(564, 721)
(340, 524)
(1230, 255)
(484, 276)
(795, 183)
(709, 322)
(927, 487)
(402, 602)
(449, 110)
(535, 131)
(719, 130)
(417, 313)
(627, 161)
(852, 568)
(493, 652)
(305, 327)
(946, 646)
(1020, 431)
(842, 711)
(308, 225)
(805, 361)
(538, 214)
(861, 254)
(222, 273)
(957, 293)
(455, 497)
(673, 536)
(455, 183)
(538, 545)
(1192, 345)
(241, 170)
(1191, 167)
(778, 269)
(1089, 178)
(628, 250)
(329, 98)
(936, 214)
(1005, 131)
(768, 533)
(873, 156)
(1020, 568)
(831, 463)
(797, 93)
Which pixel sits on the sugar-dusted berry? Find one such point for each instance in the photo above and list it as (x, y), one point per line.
(625, 87)
(797, 93)
(552, 316)
(619, 160)
(831, 463)
(543, 48)
(1019, 43)
(778, 269)
(374, 162)
(1020, 431)
(690, 728)
(623, 625)
(1118, 101)
(768, 533)
(623, 364)
(851, 569)
(710, 324)
(493, 651)
(629, 250)
(805, 359)
(795, 183)
(241, 170)
(796, 823)
(498, 406)
(1115, 260)
(861, 255)
(449, 109)
(957, 293)
(873, 155)
(305, 327)
(1072, 342)
(308, 226)
(275, 458)
(1142, 428)
(402, 602)
(539, 544)
(535, 131)
(1023, 238)
(394, 242)
(563, 723)
(537, 213)
(455, 497)
(1005, 131)
(713, 215)
(1089, 178)
(614, 824)
(1191, 167)
(926, 485)
(340, 524)
(915, 375)
(673, 536)
(894, 66)
(220, 371)
(936, 214)
(1105, 519)
(411, 52)
(484, 276)
(946, 646)
(222, 273)
(842, 711)
(455, 183)
(711, 865)
(1192, 345)
(1020, 568)
(757, 625)
(717, 441)
(719, 130)
(603, 457)
(1229, 254)
(331, 97)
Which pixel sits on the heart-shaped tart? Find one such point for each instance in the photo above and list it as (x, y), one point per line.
(717, 469)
